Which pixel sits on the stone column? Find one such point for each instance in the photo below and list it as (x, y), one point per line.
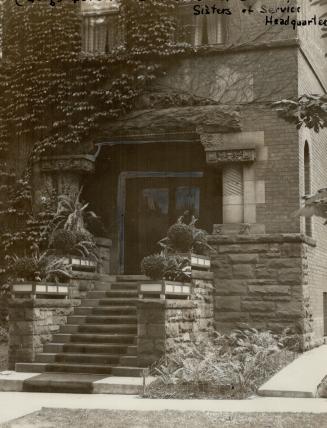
(62, 173)
(233, 211)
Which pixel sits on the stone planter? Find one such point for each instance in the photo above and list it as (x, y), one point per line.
(164, 289)
(37, 289)
(81, 263)
(197, 261)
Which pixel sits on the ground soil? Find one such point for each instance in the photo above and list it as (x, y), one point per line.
(64, 418)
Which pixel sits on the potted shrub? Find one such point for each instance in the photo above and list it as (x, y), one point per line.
(169, 276)
(70, 238)
(39, 274)
(186, 240)
(77, 248)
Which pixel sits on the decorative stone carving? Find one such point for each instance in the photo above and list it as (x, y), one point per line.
(226, 148)
(228, 156)
(74, 163)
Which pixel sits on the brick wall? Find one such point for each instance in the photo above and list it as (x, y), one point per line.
(309, 82)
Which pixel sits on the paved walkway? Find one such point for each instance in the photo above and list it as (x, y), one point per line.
(300, 378)
(17, 404)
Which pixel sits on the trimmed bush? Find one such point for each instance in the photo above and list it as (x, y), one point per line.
(154, 266)
(181, 237)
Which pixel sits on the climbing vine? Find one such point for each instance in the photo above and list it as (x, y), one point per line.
(53, 97)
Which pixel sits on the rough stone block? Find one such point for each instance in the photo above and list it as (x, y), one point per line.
(262, 272)
(290, 276)
(243, 258)
(257, 306)
(232, 316)
(281, 263)
(241, 271)
(156, 330)
(269, 290)
(228, 303)
(230, 287)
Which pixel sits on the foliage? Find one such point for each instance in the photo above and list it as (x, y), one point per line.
(4, 335)
(67, 242)
(39, 267)
(309, 110)
(154, 266)
(180, 237)
(161, 266)
(233, 365)
(184, 236)
(71, 213)
(177, 269)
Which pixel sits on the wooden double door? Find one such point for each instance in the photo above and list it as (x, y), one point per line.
(153, 204)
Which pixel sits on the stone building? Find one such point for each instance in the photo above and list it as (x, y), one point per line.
(205, 138)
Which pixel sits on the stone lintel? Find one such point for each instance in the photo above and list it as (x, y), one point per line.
(222, 148)
(72, 163)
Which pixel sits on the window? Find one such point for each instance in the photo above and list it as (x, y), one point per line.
(101, 31)
(199, 30)
(307, 185)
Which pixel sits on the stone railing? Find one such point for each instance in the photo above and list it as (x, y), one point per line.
(165, 324)
(32, 322)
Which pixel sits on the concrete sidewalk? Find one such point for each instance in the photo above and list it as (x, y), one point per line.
(17, 404)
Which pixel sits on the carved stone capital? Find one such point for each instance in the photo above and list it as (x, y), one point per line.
(228, 148)
(228, 156)
(82, 164)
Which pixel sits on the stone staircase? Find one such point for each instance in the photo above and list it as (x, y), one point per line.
(99, 338)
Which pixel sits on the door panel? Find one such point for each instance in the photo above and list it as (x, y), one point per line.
(154, 204)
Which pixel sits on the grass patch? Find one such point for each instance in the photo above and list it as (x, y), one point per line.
(66, 418)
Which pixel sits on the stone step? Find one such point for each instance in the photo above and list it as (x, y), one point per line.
(129, 360)
(78, 368)
(81, 358)
(90, 348)
(110, 310)
(111, 294)
(30, 367)
(102, 319)
(119, 310)
(127, 278)
(80, 383)
(99, 328)
(94, 338)
(124, 286)
(110, 302)
(62, 383)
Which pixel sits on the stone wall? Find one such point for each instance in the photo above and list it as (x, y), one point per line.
(260, 281)
(32, 324)
(164, 324)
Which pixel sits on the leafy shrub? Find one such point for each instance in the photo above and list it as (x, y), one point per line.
(39, 267)
(63, 240)
(4, 335)
(229, 366)
(154, 266)
(68, 242)
(160, 266)
(181, 237)
(184, 236)
(177, 269)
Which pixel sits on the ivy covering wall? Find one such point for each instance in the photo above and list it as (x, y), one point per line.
(53, 98)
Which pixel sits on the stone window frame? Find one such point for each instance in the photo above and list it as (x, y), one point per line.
(196, 28)
(101, 31)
